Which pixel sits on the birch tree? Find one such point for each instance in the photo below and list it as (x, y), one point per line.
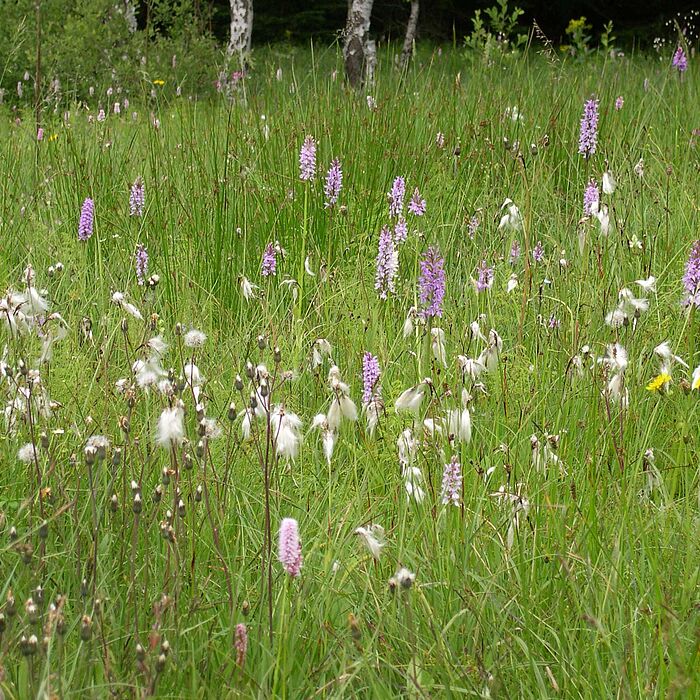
(241, 29)
(355, 48)
(410, 38)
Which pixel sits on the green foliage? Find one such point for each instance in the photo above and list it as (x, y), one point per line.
(607, 38)
(93, 45)
(498, 32)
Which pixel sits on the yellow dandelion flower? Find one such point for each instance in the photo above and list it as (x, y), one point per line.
(159, 82)
(658, 382)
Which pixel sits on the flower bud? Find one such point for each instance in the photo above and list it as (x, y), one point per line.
(86, 628)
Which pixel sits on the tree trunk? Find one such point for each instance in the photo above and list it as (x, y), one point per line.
(411, 27)
(359, 14)
(241, 29)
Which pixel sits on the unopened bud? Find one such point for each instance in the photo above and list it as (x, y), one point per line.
(31, 610)
(90, 455)
(86, 628)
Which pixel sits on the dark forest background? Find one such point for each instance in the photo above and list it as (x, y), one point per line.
(299, 20)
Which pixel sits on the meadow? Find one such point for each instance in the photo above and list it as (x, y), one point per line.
(459, 380)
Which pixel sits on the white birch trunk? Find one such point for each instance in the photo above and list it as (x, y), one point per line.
(354, 50)
(241, 29)
(410, 38)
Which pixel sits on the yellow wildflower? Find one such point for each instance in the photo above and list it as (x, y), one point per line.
(53, 137)
(659, 381)
(696, 378)
(159, 82)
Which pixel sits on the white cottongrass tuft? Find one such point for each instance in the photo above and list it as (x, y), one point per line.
(119, 299)
(27, 453)
(171, 426)
(285, 430)
(194, 339)
(373, 537)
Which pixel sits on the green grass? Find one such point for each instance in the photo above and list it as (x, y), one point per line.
(598, 594)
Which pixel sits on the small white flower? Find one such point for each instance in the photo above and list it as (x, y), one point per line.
(512, 283)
